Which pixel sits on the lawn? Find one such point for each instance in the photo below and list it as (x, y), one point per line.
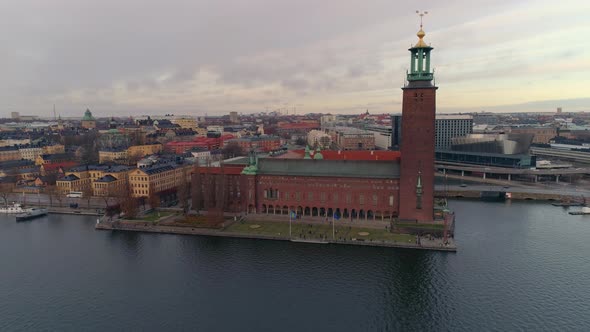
(315, 231)
(154, 216)
(425, 226)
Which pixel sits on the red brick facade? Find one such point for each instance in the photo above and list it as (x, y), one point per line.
(343, 198)
(417, 149)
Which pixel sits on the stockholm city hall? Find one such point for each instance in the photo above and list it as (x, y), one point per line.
(342, 185)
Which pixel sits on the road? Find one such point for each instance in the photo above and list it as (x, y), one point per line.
(560, 190)
(43, 199)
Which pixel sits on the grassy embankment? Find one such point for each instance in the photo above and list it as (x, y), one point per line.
(315, 231)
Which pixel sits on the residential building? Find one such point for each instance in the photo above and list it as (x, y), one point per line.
(449, 126)
(319, 138)
(264, 143)
(187, 122)
(233, 117)
(347, 138)
(9, 153)
(143, 150)
(158, 179)
(114, 155)
(30, 152)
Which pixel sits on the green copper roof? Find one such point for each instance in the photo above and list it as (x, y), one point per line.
(88, 116)
(307, 156)
(318, 154)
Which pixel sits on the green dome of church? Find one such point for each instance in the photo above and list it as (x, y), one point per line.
(88, 116)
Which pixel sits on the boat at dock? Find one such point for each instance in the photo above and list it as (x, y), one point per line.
(585, 211)
(12, 209)
(31, 213)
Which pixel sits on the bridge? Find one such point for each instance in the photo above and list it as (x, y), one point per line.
(509, 174)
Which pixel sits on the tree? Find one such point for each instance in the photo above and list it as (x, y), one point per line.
(89, 148)
(87, 192)
(51, 192)
(300, 141)
(6, 189)
(154, 201)
(184, 190)
(232, 149)
(128, 204)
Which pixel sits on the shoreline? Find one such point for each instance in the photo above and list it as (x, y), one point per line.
(126, 227)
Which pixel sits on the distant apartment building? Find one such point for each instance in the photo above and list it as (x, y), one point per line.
(118, 156)
(541, 134)
(145, 181)
(448, 127)
(233, 117)
(54, 149)
(382, 135)
(264, 143)
(352, 138)
(143, 150)
(30, 152)
(202, 155)
(45, 159)
(187, 122)
(319, 138)
(14, 141)
(84, 178)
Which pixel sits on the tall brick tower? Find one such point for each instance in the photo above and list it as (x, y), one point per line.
(418, 136)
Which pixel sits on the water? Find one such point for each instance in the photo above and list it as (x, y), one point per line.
(520, 266)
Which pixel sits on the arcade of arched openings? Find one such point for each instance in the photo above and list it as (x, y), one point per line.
(327, 197)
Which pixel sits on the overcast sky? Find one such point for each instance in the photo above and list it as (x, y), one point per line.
(342, 56)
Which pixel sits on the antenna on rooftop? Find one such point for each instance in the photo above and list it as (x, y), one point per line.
(54, 117)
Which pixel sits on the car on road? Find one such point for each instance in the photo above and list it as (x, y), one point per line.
(463, 185)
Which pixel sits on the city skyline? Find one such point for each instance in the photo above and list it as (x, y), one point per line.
(334, 57)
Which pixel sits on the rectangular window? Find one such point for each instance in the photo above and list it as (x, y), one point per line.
(362, 199)
(310, 196)
(348, 198)
(323, 197)
(391, 200)
(335, 195)
(374, 199)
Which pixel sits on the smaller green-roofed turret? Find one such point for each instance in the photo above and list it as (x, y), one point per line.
(307, 151)
(318, 154)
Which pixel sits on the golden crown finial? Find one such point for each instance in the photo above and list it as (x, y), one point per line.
(421, 32)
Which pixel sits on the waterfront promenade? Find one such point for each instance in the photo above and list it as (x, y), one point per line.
(309, 232)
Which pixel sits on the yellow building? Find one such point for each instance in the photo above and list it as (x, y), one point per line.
(142, 150)
(9, 153)
(185, 122)
(159, 178)
(83, 178)
(54, 148)
(112, 156)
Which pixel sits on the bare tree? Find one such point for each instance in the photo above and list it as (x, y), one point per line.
(6, 189)
(51, 192)
(184, 190)
(154, 201)
(87, 193)
(128, 204)
(232, 149)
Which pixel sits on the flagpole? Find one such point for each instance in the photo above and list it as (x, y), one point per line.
(333, 222)
(290, 215)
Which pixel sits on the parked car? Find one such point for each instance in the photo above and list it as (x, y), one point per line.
(74, 205)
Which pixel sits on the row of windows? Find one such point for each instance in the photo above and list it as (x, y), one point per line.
(274, 194)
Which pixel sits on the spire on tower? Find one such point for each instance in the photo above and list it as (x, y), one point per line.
(421, 32)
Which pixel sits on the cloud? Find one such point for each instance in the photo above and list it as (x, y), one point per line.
(338, 55)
